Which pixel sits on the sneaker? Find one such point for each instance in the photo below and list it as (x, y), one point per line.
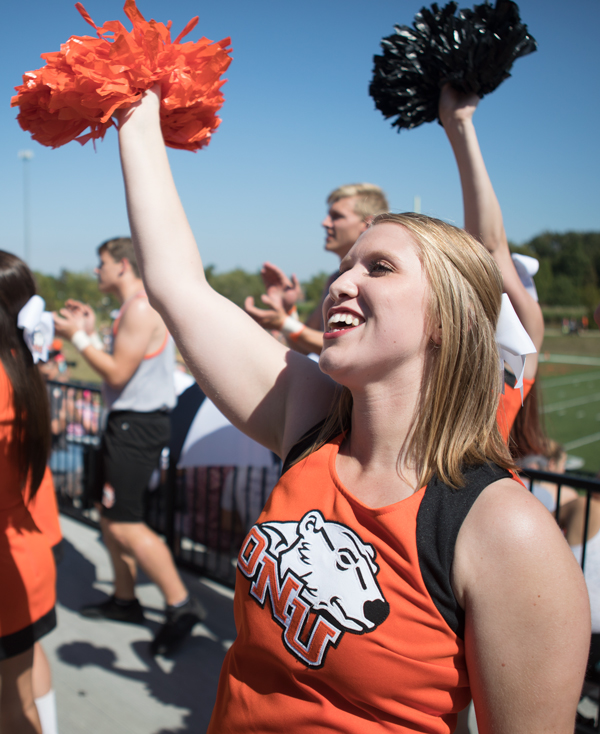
(180, 622)
(131, 612)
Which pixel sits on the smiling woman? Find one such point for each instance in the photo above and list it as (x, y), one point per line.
(397, 569)
(451, 290)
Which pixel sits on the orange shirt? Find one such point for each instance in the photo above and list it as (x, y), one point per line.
(27, 567)
(337, 630)
(509, 406)
(44, 509)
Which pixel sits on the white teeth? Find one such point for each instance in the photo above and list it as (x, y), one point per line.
(344, 318)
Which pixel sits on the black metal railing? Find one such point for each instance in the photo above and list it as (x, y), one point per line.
(203, 513)
(588, 720)
(76, 421)
(584, 484)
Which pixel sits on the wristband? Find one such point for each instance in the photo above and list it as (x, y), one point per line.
(80, 340)
(293, 312)
(97, 342)
(294, 336)
(292, 327)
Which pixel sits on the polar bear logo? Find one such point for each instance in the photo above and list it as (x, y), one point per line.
(314, 570)
(336, 567)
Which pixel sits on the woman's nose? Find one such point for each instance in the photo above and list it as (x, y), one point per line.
(344, 286)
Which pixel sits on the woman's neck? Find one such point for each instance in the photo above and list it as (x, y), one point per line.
(372, 462)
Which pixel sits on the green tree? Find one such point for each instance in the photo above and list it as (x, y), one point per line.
(55, 290)
(236, 284)
(569, 272)
(313, 288)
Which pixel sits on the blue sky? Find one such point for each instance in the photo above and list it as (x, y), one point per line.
(298, 121)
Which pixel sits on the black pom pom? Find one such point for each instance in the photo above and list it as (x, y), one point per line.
(474, 51)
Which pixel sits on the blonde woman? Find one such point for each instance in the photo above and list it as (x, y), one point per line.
(396, 558)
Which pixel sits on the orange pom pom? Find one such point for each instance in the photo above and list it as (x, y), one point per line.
(83, 84)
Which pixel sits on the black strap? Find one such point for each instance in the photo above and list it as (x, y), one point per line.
(305, 442)
(510, 378)
(440, 517)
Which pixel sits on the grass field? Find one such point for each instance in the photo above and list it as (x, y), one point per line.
(81, 372)
(570, 382)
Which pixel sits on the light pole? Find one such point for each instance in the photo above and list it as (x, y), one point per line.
(26, 156)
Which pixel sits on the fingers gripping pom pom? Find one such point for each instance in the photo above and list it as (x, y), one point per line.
(82, 85)
(473, 50)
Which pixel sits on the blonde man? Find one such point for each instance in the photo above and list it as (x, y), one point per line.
(351, 208)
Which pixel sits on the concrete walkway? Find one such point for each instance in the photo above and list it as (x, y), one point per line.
(106, 681)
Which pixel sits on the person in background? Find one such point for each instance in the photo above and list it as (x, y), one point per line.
(554, 460)
(56, 368)
(27, 565)
(573, 521)
(351, 210)
(138, 392)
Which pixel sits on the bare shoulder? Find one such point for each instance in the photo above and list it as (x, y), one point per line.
(527, 616)
(506, 511)
(139, 313)
(510, 533)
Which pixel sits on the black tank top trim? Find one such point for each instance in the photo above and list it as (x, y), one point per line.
(440, 517)
(302, 444)
(510, 378)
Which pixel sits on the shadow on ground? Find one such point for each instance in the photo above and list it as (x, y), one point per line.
(188, 680)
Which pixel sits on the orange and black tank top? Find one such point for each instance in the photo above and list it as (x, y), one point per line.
(345, 614)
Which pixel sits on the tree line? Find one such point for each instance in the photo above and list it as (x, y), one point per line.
(569, 276)
(569, 273)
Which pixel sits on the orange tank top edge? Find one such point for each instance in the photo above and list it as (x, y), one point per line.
(509, 407)
(161, 348)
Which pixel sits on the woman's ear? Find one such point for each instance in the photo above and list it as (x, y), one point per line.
(436, 335)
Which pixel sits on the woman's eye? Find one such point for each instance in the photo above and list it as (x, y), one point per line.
(379, 268)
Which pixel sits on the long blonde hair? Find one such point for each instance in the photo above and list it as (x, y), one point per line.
(455, 421)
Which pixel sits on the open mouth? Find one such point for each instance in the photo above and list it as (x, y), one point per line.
(343, 321)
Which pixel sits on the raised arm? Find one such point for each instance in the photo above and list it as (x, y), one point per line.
(255, 381)
(483, 216)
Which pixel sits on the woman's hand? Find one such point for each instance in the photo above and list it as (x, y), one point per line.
(455, 106)
(142, 112)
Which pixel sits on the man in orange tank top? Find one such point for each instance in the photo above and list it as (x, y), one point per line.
(138, 387)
